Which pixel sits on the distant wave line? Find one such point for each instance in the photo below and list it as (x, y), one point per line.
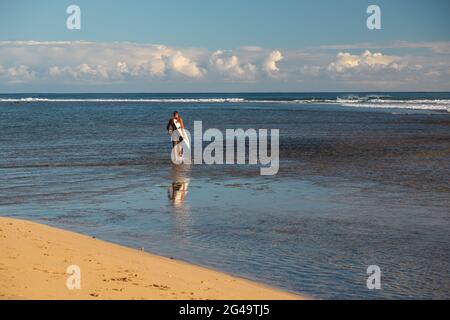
(367, 102)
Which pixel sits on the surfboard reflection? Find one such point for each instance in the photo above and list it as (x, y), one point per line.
(178, 190)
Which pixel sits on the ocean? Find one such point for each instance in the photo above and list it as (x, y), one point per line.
(363, 180)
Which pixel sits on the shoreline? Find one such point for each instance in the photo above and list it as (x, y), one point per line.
(34, 259)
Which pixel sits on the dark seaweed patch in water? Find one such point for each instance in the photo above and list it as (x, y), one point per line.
(412, 161)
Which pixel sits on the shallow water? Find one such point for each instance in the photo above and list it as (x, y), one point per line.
(356, 187)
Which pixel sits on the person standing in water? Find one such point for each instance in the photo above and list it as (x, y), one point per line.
(175, 123)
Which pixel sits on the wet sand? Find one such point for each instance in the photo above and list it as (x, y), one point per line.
(34, 259)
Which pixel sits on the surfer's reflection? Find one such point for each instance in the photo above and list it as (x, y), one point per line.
(179, 188)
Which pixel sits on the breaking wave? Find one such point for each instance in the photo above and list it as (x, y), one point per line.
(348, 101)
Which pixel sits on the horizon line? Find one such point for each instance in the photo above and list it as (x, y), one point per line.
(225, 92)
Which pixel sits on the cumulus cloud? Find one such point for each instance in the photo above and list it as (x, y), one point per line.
(270, 64)
(84, 63)
(367, 60)
(114, 62)
(20, 74)
(231, 66)
(83, 71)
(122, 67)
(81, 60)
(185, 66)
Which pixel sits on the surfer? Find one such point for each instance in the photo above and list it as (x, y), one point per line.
(174, 125)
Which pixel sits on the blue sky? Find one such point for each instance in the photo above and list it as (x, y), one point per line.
(246, 33)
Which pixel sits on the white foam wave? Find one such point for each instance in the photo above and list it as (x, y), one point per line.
(362, 102)
(174, 100)
(442, 105)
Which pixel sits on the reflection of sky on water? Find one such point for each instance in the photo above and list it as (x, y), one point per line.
(301, 235)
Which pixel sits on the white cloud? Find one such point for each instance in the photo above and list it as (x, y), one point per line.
(102, 61)
(54, 71)
(231, 66)
(20, 74)
(270, 64)
(156, 67)
(345, 61)
(83, 71)
(82, 63)
(122, 67)
(90, 61)
(185, 66)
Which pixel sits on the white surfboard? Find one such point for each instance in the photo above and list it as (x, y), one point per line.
(180, 132)
(185, 137)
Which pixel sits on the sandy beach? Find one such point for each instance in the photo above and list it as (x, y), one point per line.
(34, 259)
